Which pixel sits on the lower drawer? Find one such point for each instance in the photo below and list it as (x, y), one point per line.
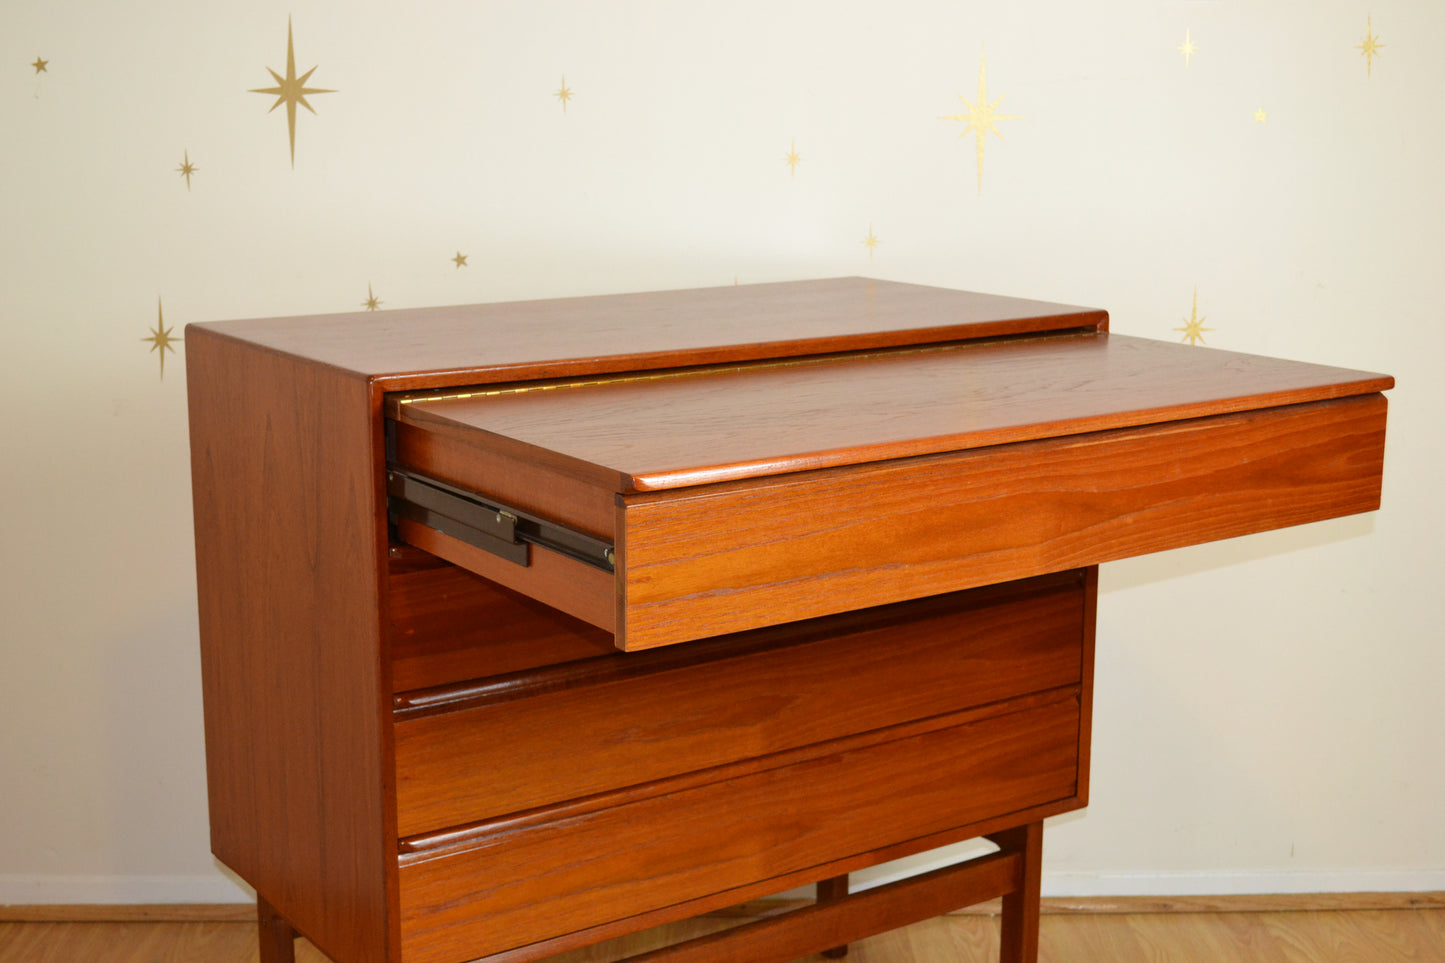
(542, 737)
(550, 874)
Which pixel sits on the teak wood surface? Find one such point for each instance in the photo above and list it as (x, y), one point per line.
(560, 338)
(337, 661)
(699, 427)
(289, 535)
(514, 746)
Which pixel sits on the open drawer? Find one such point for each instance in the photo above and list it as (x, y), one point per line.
(672, 505)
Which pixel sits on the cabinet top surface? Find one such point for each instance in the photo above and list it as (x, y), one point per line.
(671, 429)
(483, 343)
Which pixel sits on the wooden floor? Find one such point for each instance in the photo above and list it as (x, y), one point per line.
(1368, 936)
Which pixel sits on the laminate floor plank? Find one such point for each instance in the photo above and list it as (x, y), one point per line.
(1333, 936)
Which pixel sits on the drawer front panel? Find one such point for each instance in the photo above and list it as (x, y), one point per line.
(731, 557)
(784, 688)
(540, 881)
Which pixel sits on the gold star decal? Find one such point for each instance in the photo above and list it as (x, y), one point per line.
(1260, 116)
(40, 66)
(981, 117)
(1194, 325)
(460, 259)
(160, 337)
(793, 159)
(871, 241)
(291, 90)
(564, 93)
(372, 302)
(1187, 48)
(1370, 46)
(187, 169)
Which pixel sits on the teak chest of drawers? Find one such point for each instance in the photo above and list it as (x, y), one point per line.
(528, 625)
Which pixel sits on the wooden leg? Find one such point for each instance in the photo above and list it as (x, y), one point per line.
(1019, 936)
(828, 891)
(277, 938)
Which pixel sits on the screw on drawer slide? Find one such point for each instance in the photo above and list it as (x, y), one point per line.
(486, 524)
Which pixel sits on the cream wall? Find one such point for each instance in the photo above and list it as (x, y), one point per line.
(1269, 710)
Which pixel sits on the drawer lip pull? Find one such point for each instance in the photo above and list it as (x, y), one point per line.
(486, 523)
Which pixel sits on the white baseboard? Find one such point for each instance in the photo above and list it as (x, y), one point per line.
(16, 890)
(1242, 882)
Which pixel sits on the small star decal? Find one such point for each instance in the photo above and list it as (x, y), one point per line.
(1194, 325)
(871, 241)
(187, 169)
(41, 65)
(1260, 116)
(564, 93)
(1187, 48)
(372, 302)
(1369, 48)
(160, 337)
(460, 260)
(291, 90)
(793, 159)
(982, 117)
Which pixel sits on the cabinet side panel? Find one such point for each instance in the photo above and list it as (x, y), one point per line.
(284, 471)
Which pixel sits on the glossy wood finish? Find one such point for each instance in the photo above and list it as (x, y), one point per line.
(515, 746)
(285, 466)
(1019, 934)
(567, 337)
(522, 883)
(574, 587)
(448, 625)
(703, 427)
(734, 556)
(844, 918)
(699, 775)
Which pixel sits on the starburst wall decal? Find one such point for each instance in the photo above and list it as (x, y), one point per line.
(187, 168)
(871, 241)
(1187, 48)
(291, 90)
(793, 159)
(1194, 325)
(982, 117)
(160, 337)
(1369, 48)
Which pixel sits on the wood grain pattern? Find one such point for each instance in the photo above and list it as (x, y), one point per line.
(703, 427)
(527, 884)
(843, 918)
(1370, 936)
(140, 913)
(448, 625)
(476, 344)
(829, 680)
(285, 461)
(276, 937)
(458, 459)
(574, 587)
(730, 557)
(1019, 923)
